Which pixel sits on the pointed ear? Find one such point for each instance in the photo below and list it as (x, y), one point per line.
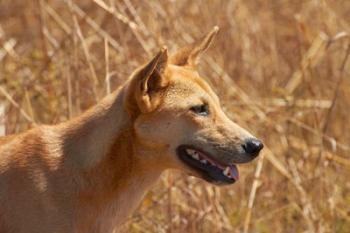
(190, 55)
(150, 80)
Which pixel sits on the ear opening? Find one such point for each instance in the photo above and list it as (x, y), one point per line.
(190, 55)
(151, 74)
(149, 80)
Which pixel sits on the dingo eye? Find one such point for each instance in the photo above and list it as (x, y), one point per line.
(202, 109)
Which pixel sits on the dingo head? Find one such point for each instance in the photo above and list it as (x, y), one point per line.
(179, 120)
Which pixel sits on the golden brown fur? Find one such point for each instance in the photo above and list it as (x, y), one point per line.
(89, 174)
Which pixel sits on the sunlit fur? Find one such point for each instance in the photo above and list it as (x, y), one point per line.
(90, 173)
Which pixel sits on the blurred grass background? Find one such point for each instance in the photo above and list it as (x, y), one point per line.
(280, 68)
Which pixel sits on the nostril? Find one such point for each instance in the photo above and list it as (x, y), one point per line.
(252, 146)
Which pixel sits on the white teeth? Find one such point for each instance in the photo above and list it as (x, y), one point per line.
(195, 156)
(190, 151)
(226, 172)
(204, 161)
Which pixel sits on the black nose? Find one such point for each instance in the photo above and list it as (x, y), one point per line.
(252, 146)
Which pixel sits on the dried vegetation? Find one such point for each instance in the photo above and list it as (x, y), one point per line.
(280, 67)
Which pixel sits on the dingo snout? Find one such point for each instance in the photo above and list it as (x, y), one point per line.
(214, 150)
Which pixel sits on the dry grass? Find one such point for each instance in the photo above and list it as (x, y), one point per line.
(280, 67)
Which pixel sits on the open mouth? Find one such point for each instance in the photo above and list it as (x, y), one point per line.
(210, 169)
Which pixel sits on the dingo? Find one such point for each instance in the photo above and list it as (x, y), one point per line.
(90, 173)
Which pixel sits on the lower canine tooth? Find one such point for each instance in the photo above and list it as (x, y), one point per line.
(190, 152)
(226, 172)
(195, 156)
(204, 161)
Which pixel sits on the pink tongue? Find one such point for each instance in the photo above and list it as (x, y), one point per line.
(234, 172)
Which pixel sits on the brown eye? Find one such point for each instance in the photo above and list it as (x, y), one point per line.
(202, 110)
